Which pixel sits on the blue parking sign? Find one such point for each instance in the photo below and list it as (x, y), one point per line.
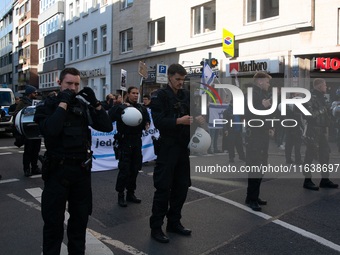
(162, 69)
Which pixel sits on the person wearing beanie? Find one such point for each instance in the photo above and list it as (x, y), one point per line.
(32, 146)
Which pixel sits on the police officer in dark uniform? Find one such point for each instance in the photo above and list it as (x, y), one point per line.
(316, 135)
(63, 120)
(257, 139)
(170, 109)
(129, 147)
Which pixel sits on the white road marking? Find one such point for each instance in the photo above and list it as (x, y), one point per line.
(6, 153)
(117, 244)
(295, 229)
(9, 180)
(24, 201)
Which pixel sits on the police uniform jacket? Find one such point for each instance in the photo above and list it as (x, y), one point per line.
(66, 132)
(166, 107)
(258, 96)
(320, 110)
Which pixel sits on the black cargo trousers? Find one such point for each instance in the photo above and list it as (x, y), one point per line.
(130, 162)
(172, 180)
(69, 181)
(256, 155)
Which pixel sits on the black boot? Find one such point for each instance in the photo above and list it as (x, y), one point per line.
(130, 196)
(308, 184)
(121, 200)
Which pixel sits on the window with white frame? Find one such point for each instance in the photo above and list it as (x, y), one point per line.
(94, 41)
(70, 50)
(49, 79)
(21, 31)
(27, 52)
(84, 45)
(22, 9)
(157, 32)
(51, 25)
(126, 40)
(94, 3)
(85, 7)
(103, 2)
(261, 9)
(126, 3)
(104, 38)
(204, 18)
(77, 47)
(71, 12)
(28, 28)
(51, 52)
(77, 9)
(28, 6)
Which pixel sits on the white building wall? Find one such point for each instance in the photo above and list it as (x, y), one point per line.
(88, 20)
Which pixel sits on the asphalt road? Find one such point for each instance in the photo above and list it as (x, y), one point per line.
(295, 221)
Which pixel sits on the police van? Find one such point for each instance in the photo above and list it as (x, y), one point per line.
(6, 100)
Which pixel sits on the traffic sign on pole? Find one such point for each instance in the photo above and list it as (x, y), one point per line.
(161, 74)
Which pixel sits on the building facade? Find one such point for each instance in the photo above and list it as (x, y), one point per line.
(6, 39)
(295, 40)
(51, 44)
(27, 12)
(88, 26)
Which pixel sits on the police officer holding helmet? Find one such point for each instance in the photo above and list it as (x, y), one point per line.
(129, 151)
(170, 109)
(63, 120)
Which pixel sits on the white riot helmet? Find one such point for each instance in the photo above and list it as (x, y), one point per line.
(200, 141)
(336, 111)
(131, 116)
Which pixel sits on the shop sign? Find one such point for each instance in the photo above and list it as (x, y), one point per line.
(327, 63)
(249, 66)
(271, 65)
(196, 71)
(92, 73)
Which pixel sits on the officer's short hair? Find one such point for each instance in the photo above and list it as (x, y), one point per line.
(260, 75)
(68, 70)
(176, 68)
(318, 81)
(147, 96)
(131, 88)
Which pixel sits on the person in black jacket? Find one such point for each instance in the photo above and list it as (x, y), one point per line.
(257, 139)
(63, 121)
(110, 101)
(170, 110)
(130, 147)
(32, 146)
(316, 135)
(233, 133)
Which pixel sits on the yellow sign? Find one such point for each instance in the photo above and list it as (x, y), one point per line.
(228, 43)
